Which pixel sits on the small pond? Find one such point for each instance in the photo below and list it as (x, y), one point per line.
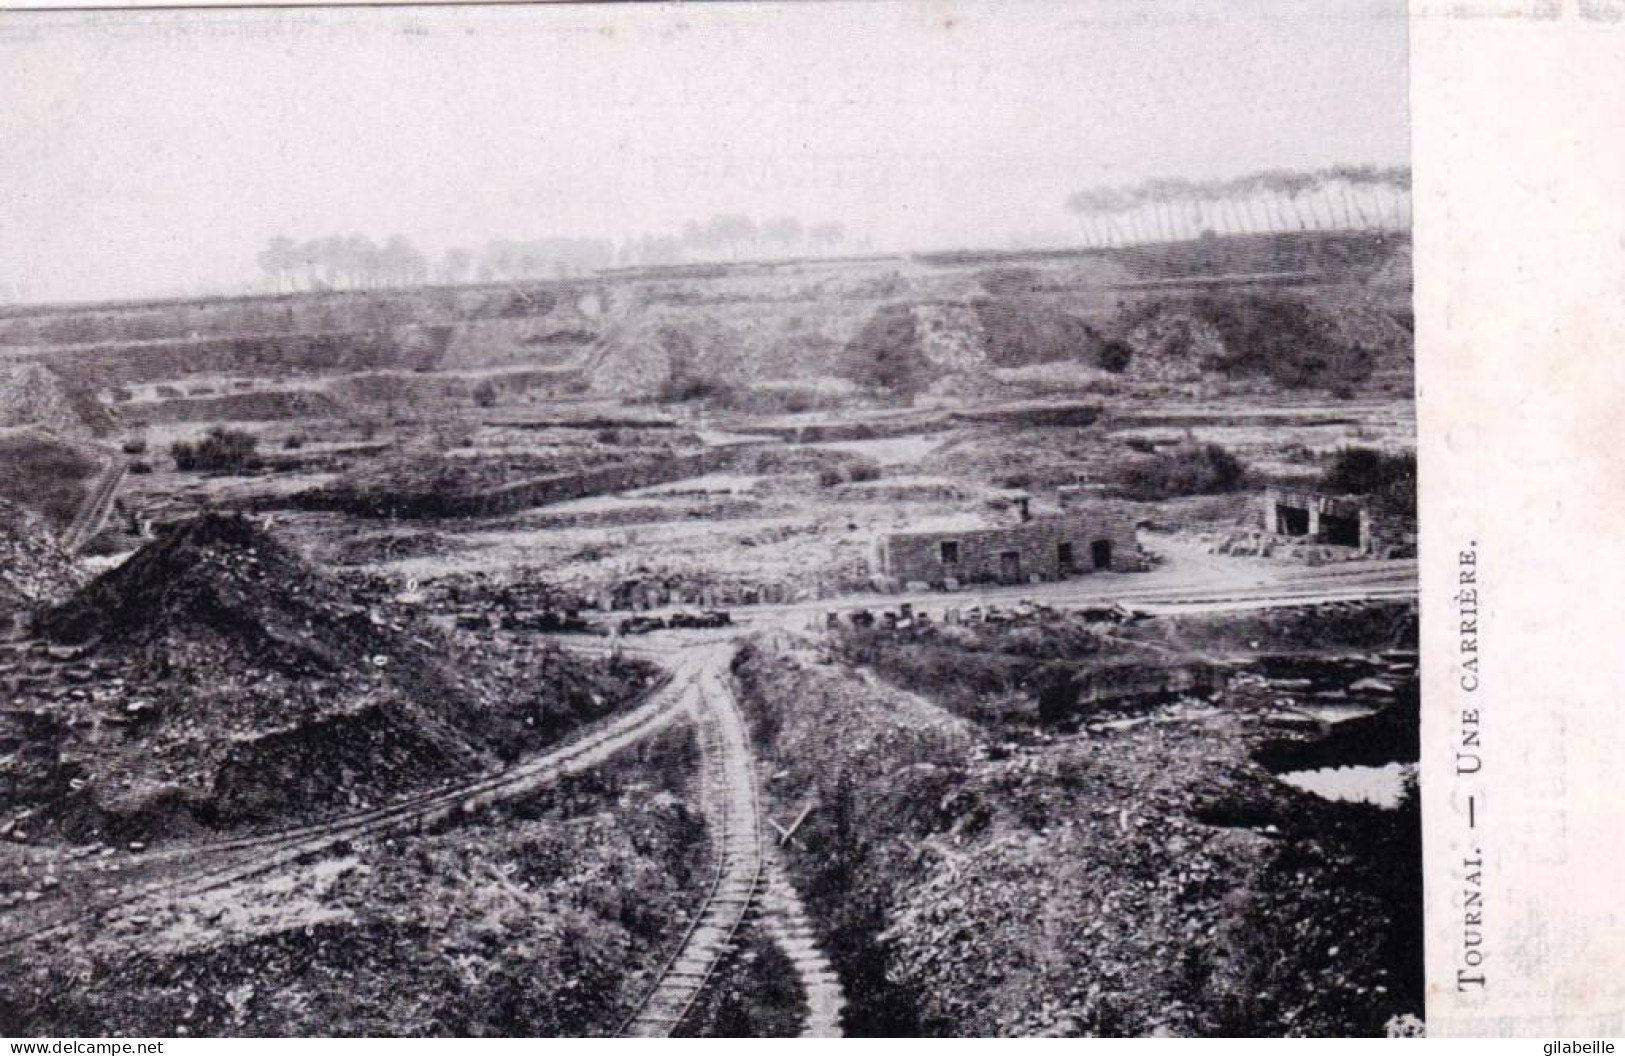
(1381, 786)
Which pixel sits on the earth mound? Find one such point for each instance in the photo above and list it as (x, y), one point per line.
(252, 686)
(217, 679)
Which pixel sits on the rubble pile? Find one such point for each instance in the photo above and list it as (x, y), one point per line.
(217, 679)
(1254, 542)
(34, 570)
(366, 549)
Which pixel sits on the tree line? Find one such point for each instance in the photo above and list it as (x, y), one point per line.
(732, 236)
(1341, 197)
(342, 262)
(356, 262)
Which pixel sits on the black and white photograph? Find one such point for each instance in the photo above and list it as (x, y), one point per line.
(721, 520)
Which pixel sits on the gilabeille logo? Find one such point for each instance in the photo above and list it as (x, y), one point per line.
(1553, 1048)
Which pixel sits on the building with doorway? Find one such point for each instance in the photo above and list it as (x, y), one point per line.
(1036, 548)
(1338, 520)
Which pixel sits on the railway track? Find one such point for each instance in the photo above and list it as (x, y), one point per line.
(93, 514)
(212, 865)
(739, 877)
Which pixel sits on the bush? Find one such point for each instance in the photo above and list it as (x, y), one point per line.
(293, 443)
(688, 388)
(1114, 355)
(139, 466)
(1367, 471)
(485, 394)
(221, 450)
(122, 394)
(136, 446)
(853, 471)
(1190, 469)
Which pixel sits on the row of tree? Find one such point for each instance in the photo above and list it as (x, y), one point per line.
(733, 235)
(356, 262)
(353, 262)
(1342, 197)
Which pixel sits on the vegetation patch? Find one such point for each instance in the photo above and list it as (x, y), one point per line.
(1189, 469)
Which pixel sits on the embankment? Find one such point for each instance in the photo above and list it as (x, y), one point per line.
(1143, 877)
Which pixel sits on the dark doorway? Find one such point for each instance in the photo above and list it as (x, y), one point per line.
(1100, 552)
(1010, 566)
(1290, 520)
(1063, 557)
(1340, 531)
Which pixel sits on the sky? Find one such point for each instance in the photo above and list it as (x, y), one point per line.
(154, 153)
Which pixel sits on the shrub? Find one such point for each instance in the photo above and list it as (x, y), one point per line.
(485, 394)
(687, 388)
(293, 443)
(1114, 355)
(852, 471)
(135, 446)
(139, 466)
(122, 394)
(1190, 469)
(219, 451)
(1367, 471)
(169, 392)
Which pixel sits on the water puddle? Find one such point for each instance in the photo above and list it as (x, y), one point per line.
(1336, 713)
(1381, 786)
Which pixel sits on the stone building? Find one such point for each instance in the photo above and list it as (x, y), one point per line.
(1042, 547)
(1338, 520)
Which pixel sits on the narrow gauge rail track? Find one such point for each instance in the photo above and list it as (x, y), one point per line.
(93, 514)
(736, 884)
(229, 861)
